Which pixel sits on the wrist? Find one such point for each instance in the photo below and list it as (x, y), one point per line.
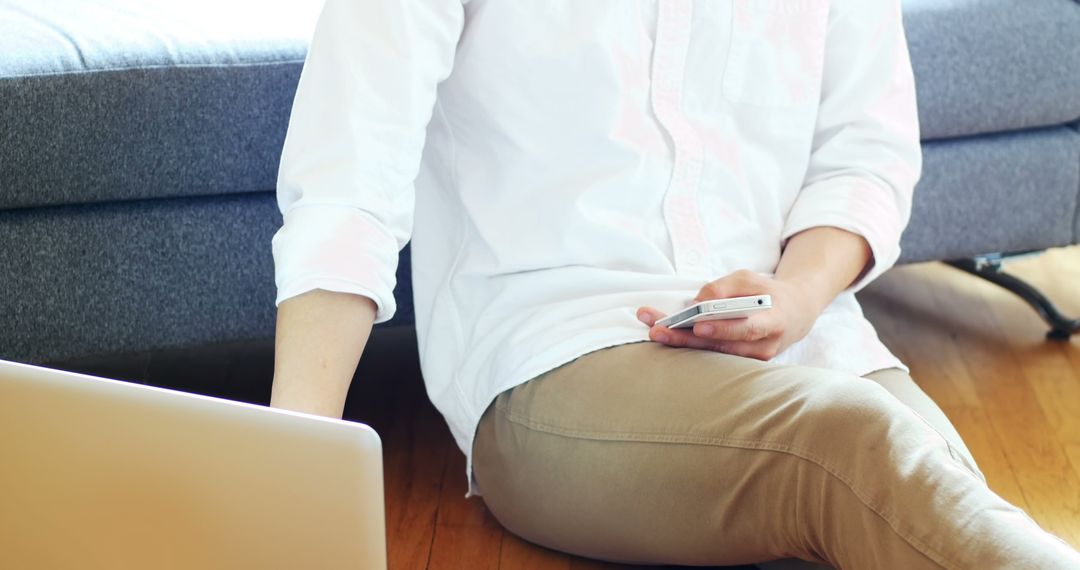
(821, 262)
(813, 292)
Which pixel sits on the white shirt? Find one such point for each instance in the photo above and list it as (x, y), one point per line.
(560, 163)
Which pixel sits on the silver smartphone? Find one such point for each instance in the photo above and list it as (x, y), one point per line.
(716, 309)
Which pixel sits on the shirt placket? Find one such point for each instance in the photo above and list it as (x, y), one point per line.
(681, 211)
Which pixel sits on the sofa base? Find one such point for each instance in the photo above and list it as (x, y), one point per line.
(1004, 192)
(120, 277)
(990, 268)
(123, 277)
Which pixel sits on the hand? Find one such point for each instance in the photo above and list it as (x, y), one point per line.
(762, 335)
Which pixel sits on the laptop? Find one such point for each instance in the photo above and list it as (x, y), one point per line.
(98, 473)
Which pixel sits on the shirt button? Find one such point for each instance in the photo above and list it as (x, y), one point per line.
(693, 257)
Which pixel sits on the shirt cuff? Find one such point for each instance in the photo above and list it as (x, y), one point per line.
(336, 248)
(859, 206)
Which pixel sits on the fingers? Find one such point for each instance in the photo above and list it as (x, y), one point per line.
(753, 337)
(670, 337)
(738, 284)
(749, 329)
(758, 336)
(760, 350)
(681, 338)
(649, 315)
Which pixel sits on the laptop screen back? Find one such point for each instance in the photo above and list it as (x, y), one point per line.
(104, 474)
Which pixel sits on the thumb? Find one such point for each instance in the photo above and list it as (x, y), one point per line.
(737, 284)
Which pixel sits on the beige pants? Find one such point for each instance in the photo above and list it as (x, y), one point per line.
(644, 453)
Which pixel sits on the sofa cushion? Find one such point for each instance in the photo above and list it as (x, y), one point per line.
(1076, 217)
(143, 275)
(130, 99)
(1002, 192)
(985, 66)
(127, 99)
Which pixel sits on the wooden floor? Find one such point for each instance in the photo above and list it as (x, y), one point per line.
(980, 353)
(976, 349)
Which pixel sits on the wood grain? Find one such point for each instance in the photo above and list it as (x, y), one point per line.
(466, 534)
(904, 307)
(981, 354)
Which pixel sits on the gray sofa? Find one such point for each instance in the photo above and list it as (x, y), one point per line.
(139, 142)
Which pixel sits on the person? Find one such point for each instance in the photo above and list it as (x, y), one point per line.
(569, 172)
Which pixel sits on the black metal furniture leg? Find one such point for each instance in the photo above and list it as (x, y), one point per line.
(989, 267)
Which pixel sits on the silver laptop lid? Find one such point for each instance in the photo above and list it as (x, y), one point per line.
(99, 473)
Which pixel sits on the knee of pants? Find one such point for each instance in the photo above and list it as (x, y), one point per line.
(839, 417)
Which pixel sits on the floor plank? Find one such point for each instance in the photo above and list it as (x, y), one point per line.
(903, 308)
(466, 533)
(1020, 423)
(415, 459)
(1047, 363)
(388, 394)
(1054, 487)
(1037, 459)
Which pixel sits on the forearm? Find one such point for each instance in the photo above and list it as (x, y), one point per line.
(822, 262)
(320, 336)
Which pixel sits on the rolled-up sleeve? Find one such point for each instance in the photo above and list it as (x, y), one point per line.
(355, 139)
(866, 157)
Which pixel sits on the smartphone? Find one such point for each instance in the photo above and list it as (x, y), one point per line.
(716, 309)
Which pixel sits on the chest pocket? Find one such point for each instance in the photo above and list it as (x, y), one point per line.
(777, 52)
